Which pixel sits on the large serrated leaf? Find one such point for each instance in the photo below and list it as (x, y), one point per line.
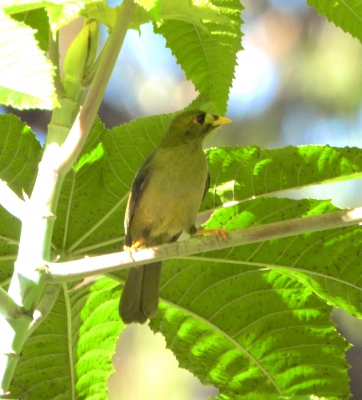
(46, 354)
(20, 154)
(239, 173)
(95, 327)
(346, 14)
(38, 20)
(185, 10)
(26, 76)
(62, 14)
(247, 330)
(19, 158)
(17, 6)
(84, 201)
(208, 58)
(9, 242)
(107, 15)
(327, 262)
(69, 355)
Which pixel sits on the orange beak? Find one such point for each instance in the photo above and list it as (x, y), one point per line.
(222, 121)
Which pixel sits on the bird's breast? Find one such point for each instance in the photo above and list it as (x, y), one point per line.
(171, 199)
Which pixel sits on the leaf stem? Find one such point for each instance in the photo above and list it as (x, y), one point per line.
(69, 338)
(44, 307)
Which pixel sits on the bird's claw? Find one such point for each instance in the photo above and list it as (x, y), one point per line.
(134, 248)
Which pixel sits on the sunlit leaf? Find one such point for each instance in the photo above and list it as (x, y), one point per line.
(72, 349)
(26, 76)
(347, 14)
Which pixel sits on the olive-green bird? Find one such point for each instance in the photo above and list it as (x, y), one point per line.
(165, 198)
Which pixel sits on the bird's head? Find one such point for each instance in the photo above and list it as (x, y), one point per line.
(190, 126)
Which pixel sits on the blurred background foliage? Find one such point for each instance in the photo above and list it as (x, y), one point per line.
(298, 82)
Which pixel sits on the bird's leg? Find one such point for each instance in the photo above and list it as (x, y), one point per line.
(221, 232)
(135, 246)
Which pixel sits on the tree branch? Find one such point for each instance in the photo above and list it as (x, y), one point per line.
(79, 269)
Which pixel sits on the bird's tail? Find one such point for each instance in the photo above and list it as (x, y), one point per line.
(139, 300)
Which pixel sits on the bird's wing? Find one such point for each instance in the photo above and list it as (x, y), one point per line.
(137, 188)
(207, 185)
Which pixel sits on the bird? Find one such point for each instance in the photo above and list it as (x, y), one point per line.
(164, 200)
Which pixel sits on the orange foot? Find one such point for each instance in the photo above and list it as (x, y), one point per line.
(135, 246)
(221, 232)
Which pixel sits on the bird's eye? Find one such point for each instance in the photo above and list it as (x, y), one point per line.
(200, 119)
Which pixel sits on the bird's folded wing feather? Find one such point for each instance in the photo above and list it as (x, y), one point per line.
(138, 186)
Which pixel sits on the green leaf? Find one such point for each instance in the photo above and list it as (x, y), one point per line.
(208, 58)
(328, 262)
(38, 20)
(69, 355)
(9, 242)
(346, 14)
(62, 14)
(20, 154)
(87, 215)
(256, 396)
(248, 330)
(239, 322)
(239, 173)
(96, 327)
(184, 10)
(148, 11)
(26, 79)
(103, 13)
(19, 158)
(107, 15)
(127, 146)
(17, 6)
